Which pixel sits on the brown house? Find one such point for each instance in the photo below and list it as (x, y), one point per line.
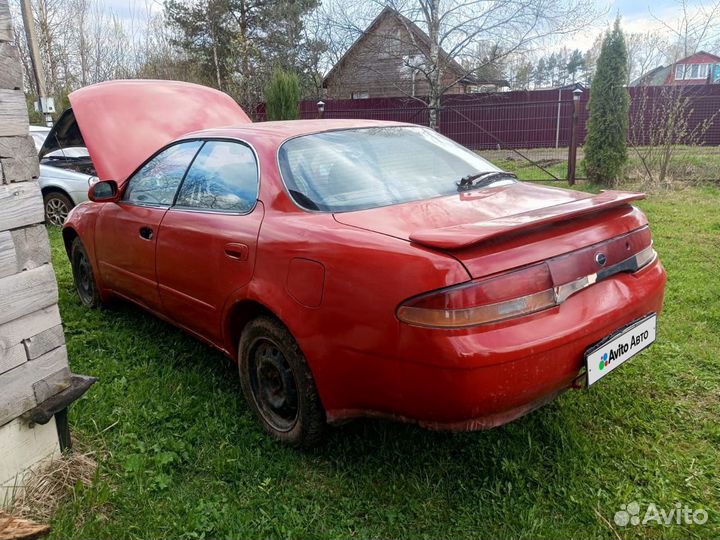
(387, 60)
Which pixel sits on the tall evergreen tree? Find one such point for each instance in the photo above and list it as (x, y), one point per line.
(282, 96)
(606, 144)
(575, 64)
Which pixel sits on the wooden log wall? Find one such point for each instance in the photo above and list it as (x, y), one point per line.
(33, 358)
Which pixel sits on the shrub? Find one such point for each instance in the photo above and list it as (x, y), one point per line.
(282, 96)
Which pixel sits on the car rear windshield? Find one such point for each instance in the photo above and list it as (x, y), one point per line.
(356, 169)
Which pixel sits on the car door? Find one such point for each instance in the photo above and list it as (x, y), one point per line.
(207, 242)
(126, 232)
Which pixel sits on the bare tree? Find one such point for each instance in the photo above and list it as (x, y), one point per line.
(697, 26)
(645, 52)
(662, 118)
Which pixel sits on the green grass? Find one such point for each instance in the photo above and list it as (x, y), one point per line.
(688, 164)
(181, 457)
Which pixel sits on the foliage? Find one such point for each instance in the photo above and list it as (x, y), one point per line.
(560, 68)
(182, 457)
(234, 42)
(282, 96)
(606, 144)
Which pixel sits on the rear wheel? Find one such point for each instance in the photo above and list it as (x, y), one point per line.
(57, 207)
(278, 385)
(83, 275)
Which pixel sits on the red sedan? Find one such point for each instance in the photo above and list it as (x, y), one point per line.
(354, 268)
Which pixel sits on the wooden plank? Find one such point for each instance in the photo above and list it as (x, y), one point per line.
(20, 205)
(13, 332)
(54, 383)
(17, 147)
(11, 357)
(44, 342)
(8, 259)
(15, 528)
(30, 337)
(18, 159)
(13, 113)
(32, 247)
(23, 448)
(26, 292)
(10, 67)
(38, 378)
(19, 169)
(6, 33)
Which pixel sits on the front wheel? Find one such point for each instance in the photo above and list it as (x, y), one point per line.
(83, 275)
(278, 385)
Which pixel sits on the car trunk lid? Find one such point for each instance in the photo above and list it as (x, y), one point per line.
(495, 229)
(122, 123)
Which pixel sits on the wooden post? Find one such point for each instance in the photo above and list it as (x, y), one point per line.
(33, 358)
(572, 149)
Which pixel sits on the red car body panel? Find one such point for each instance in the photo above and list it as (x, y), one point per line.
(336, 281)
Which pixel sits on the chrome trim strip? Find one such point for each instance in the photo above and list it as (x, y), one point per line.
(631, 264)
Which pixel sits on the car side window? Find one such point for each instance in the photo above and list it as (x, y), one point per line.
(156, 183)
(223, 176)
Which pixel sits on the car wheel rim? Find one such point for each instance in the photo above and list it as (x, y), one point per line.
(56, 211)
(273, 385)
(84, 279)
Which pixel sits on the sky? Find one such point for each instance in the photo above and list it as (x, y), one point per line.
(637, 17)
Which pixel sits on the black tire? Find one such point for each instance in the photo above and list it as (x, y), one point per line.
(83, 275)
(57, 205)
(278, 385)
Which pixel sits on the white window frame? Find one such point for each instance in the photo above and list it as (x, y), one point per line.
(361, 94)
(691, 72)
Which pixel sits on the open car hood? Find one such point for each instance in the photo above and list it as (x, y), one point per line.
(122, 123)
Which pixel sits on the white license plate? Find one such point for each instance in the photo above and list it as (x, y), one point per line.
(620, 347)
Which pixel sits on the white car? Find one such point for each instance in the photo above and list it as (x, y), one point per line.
(65, 176)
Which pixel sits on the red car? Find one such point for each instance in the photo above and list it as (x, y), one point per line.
(351, 267)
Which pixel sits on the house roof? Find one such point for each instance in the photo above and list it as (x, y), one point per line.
(683, 60)
(654, 77)
(419, 34)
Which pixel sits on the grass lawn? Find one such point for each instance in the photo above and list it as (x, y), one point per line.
(181, 456)
(688, 163)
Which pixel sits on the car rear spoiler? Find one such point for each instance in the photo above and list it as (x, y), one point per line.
(469, 234)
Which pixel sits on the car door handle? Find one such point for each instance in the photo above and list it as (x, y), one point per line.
(237, 251)
(146, 233)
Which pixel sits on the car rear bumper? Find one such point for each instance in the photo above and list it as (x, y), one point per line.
(485, 377)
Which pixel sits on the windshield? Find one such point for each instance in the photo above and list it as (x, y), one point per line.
(356, 169)
(39, 137)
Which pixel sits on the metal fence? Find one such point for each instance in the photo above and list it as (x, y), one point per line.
(674, 132)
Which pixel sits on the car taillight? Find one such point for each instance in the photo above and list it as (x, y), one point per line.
(531, 289)
(482, 301)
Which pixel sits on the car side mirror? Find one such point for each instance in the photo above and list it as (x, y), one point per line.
(104, 191)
